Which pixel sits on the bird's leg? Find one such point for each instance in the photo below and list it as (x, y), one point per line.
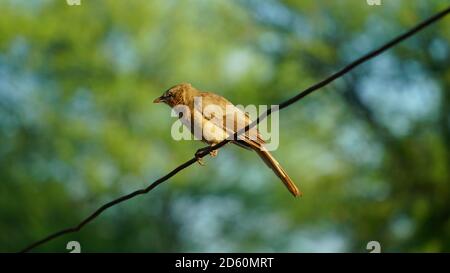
(214, 153)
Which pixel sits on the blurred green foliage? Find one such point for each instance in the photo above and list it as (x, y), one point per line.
(77, 127)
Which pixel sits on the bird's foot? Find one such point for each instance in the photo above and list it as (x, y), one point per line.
(214, 153)
(201, 162)
(199, 156)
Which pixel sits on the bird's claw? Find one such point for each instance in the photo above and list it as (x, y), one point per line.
(198, 155)
(201, 162)
(213, 153)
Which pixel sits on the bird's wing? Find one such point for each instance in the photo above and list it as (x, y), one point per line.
(230, 118)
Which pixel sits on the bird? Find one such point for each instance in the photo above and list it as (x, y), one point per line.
(216, 126)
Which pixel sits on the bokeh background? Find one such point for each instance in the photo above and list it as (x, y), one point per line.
(78, 128)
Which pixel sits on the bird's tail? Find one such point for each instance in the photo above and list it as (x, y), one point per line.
(278, 170)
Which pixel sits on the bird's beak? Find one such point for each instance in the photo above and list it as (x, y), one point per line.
(158, 100)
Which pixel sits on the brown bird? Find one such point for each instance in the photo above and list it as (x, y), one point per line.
(216, 125)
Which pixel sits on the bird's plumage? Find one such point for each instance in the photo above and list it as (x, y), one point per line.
(216, 119)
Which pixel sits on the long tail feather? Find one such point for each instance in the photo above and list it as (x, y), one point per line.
(279, 171)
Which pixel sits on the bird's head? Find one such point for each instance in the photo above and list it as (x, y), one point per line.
(178, 94)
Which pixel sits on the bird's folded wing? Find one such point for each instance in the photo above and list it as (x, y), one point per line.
(223, 114)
